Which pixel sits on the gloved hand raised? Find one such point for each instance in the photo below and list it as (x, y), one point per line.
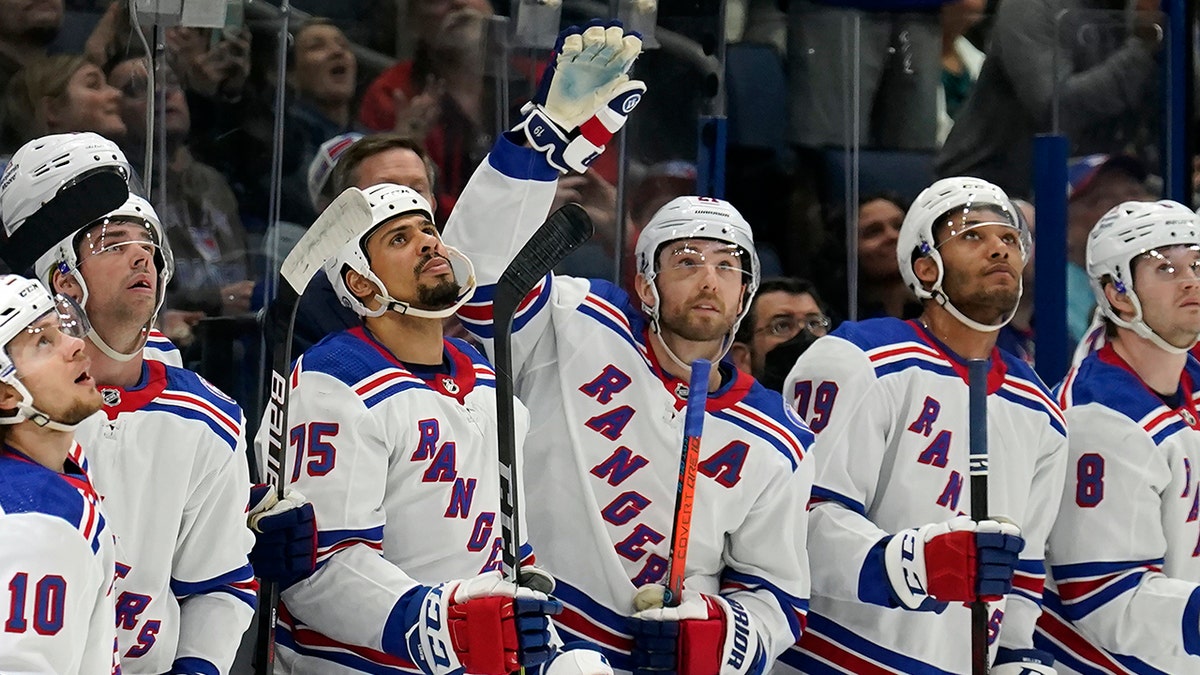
(584, 96)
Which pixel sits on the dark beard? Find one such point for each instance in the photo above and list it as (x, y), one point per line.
(441, 296)
(988, 307)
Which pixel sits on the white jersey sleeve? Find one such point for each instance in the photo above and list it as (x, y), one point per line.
(346, 481)
(833, 386)
(58, 610)
(211, 576)
(516, 182)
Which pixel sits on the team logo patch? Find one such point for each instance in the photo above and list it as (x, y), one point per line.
(112, 397)
(681, 390)
(1188, 417)
(449, 385)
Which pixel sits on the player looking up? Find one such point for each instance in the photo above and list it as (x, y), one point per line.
(56, 547)
(1124, 578)
(168, 454)
(888, 401)
(394, 429)
(606, 384)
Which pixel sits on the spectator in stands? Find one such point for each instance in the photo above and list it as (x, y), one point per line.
(199, 211)
(442, 97)
(782, 308)
(1104, 86)
(26, 30)
(961, 61)
(322, 74)
(56, 94)
(898, 45)
(1096, 184)
(881, 291)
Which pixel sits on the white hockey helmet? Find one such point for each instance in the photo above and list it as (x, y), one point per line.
(86, 172)
(950, 201)
(1127, 231)
(388, 201)
(696, 218)
(64, 258)
(23, 302)
(42, 167)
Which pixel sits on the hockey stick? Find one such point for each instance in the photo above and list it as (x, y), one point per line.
(685, 493)
(977, 375)
(338, 224)
(564, 231)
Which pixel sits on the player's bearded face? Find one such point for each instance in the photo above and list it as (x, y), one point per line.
(983, 267)
(439, 294)
(1167, 281)
(700, 285)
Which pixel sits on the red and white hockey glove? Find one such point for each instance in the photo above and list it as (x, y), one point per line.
(703, 635)
(483, 626)
(285, 535)
(584, 96)
(958, 560)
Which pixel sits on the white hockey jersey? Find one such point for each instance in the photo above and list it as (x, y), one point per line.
(168, 458)
(401, 470)
(1123, 593)
(888, 403)
(160, 348)
(603, 450)
(56, 571)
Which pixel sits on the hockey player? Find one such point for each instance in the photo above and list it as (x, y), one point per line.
(1123, 593)
(893, 557)
(168, 453)
(394, 431)
(56, 547)
(607, 382)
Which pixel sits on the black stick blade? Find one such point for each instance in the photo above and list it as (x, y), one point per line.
(564, 231)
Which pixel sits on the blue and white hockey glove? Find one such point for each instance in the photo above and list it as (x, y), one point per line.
(483, 626)
(584, 96)
(703, 635)
(958, 560)
(285, 535)
(1023, 662)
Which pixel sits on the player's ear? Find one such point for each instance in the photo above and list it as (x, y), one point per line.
(9, 398)
(645, 290)
(67, 284)
(363, 288)
(740, 353)
(926, 270)
(1118, 300)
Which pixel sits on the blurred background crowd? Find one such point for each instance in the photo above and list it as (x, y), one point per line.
(818, 119)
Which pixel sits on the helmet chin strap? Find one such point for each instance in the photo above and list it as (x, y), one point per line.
(94, 336)
(656, 330)
(943, 299)
(1142, 329)
(27, 411)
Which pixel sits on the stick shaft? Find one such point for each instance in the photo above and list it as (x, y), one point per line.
(977, 375)
(685, 493)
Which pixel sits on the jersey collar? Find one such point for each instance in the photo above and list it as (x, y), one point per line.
(997, 369)
(456, 384)
(734, 383)
(151, 384)
(1187, 410)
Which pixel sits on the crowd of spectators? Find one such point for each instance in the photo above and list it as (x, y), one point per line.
(956, 86)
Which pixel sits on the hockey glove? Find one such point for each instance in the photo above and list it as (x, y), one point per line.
(1023, 662)
(584, 96)
(483, 626)
(285, 535)
(958, 560)
(703, 635)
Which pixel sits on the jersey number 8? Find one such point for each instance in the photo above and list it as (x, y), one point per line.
(1089, 480)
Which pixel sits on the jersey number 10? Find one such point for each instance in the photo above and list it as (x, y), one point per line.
(49, 597)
